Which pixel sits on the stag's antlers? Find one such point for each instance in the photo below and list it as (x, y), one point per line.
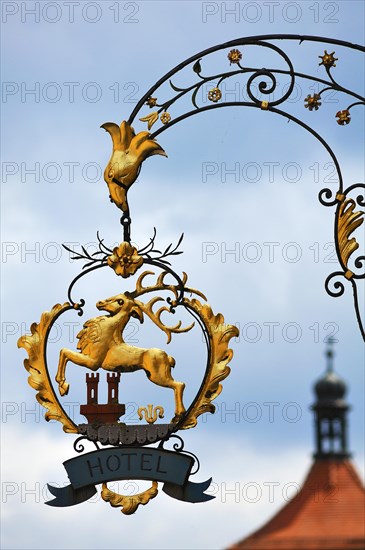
(147, 308)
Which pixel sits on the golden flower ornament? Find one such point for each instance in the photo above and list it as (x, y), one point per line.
(215, 95)
(234, 56)
(129, 151)
(125, 260)
(328, 60)
(312, 102)
(165, 118)
(151, 101)
(343, 117)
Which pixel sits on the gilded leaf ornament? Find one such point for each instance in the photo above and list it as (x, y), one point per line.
(150, 119)
(219, 335)
(348, 222)
(130, 503)
(36, 365)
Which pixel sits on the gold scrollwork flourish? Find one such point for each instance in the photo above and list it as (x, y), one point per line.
(36, 365)
(348, 222)
(130, 503)
(151, 413)
(219, 335)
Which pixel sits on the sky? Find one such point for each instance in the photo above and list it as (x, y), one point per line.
(241, 184)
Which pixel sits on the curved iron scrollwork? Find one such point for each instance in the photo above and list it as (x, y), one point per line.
(79, 447)
(347, 220)
(178, 447)
(235, 57)
(262, 81)
(105, 256)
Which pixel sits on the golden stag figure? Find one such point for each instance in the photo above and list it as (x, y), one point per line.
(101, 345)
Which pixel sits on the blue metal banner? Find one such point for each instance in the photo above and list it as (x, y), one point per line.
(90, 469)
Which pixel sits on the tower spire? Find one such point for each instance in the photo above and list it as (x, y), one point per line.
(330, 410)
(330, 353)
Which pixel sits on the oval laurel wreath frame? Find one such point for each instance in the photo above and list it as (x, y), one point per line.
(216, 333)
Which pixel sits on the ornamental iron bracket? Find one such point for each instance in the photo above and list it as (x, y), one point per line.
(123, 168)
(121, 449)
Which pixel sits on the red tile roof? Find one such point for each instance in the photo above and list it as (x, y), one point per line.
(329, 513)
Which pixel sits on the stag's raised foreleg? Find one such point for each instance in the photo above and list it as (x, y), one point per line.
(75, 357)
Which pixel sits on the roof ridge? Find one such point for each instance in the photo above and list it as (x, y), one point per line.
(353, 473)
